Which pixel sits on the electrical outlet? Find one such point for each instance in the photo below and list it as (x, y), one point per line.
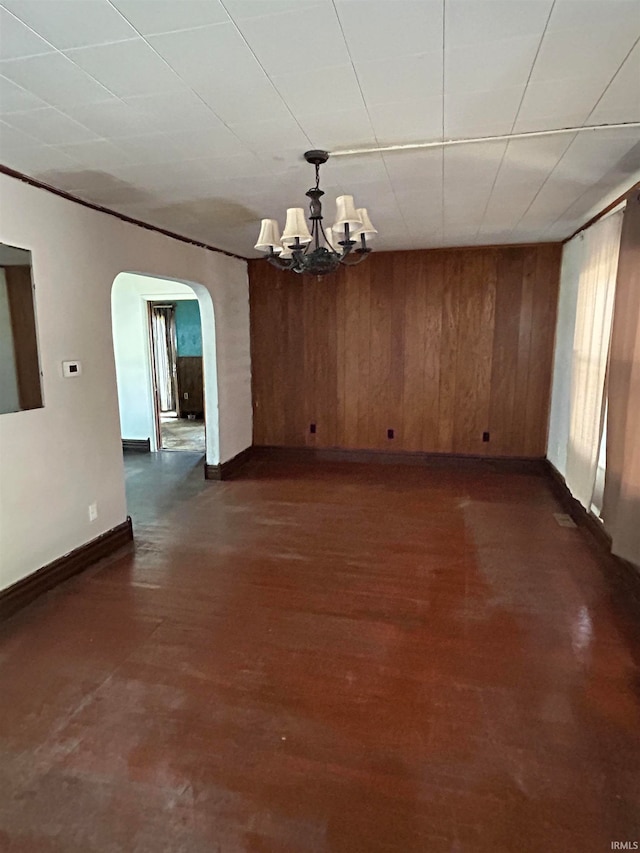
(93, 512)
(312, 428)
(71, 368)
(390, 433)
(485, 436)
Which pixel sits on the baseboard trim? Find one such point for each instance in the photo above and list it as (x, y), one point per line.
(575, 509)
(139, 445)
(514, 464)
(623, 572)
(229, 469)
(25, 591)
(274, 454)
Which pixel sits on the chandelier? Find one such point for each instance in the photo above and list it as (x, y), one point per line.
(321, 250)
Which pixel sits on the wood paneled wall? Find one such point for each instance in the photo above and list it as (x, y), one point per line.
(440, 346)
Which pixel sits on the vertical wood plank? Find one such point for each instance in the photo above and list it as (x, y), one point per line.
(326, 361)
(261, 304)
(434, 284)
(341, 360)
(380, 415)
(361, 276)
(519, 419)
(483, 365)
(449, 351)
(311, 334)
(414, 355)
(397, 285)
(352, 288)
(471, 297)
(505, 346)
(291, 390)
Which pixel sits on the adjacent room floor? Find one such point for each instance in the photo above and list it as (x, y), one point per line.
(340, 658)
(182, 434)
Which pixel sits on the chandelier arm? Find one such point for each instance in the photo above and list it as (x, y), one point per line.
(347, 244)
(327, 240)
(279, 263)
(360, 255)
(298, 250)
(363, 251)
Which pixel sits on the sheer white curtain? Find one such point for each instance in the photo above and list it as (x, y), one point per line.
(161, 332)
(596, 291)
(621, 508)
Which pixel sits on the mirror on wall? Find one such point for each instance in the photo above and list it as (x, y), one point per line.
(20, 386)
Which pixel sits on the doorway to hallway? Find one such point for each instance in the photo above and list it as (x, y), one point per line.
(176, 366)
(164, 358)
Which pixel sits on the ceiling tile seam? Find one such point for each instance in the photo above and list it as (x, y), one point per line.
(7, 120)
(98, 138)
(608, 86)
(59, 146)
(264, 71)
(182, 80)
(366, 109)
(491, 191)
(533, 65)
(346, 45)
(62, 111)
(513, 124)
(39, 142)
(60, 53)
(575, 201)
(31, 30)
(68, 59)
(543, 184)
(57, 49)
(26, 91)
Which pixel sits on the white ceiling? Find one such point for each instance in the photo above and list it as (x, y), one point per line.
(193, 114)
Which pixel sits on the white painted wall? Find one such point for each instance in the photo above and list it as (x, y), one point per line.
(57, 460)
(560, 415)
(129, 313)
(9, 401)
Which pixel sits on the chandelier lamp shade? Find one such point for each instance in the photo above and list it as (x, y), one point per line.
(318, 250)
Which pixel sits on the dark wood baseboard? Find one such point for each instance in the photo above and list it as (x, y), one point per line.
(23, 592)
(229, 469)
(513, 464)
(267, 453)
(624, 573)
(575, 509)
(139, 445)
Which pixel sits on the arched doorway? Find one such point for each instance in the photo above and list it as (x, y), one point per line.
(133, 298)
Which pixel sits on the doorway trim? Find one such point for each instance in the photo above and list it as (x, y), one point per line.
(147, 293)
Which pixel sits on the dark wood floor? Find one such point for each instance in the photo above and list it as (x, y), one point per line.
(325, 658)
